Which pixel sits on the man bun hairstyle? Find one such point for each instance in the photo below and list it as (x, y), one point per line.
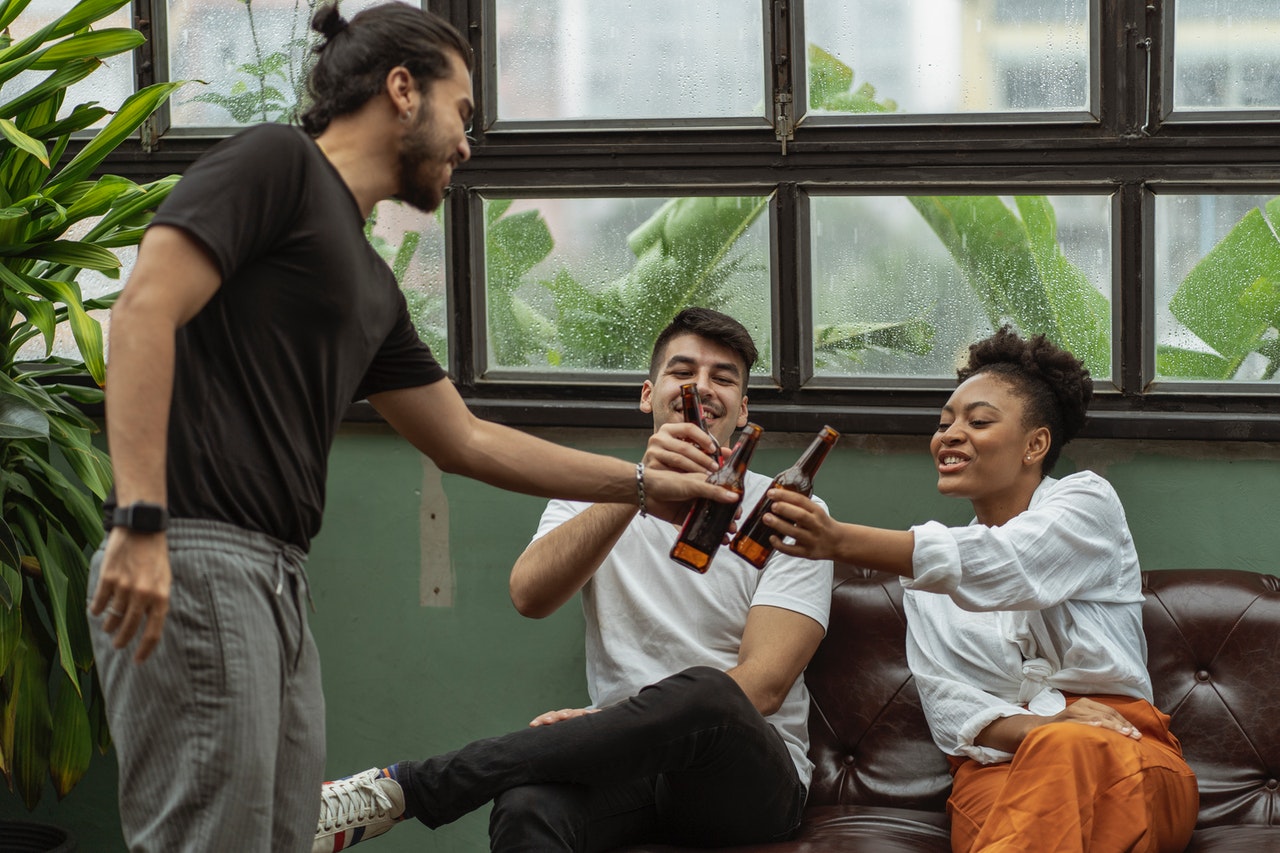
(712, 325)
(354, 58)
(1053, 383)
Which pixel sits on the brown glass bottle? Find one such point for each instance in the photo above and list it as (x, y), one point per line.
(752, 542)
(708, 520)
(691, 405)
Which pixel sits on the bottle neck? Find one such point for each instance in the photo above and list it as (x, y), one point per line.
(813, 457)
(741, 456)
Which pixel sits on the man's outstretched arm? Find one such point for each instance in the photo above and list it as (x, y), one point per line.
(558, 564)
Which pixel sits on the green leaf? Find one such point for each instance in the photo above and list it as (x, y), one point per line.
(828, 77)
(27, 726)
(84, 13)
(84, 396)
(52, 87)
(75, 648)
(88, 462)
(38, 312)
(53, 572)
(408, 245)
(132, 113)
(133, 204)
(62, 502)
(24, 142)
(1080, 316)
(1178, 363)
(72, 744)
(86, 331)
(82, 117)
(10, 10)
(98, 44)
(68, 252)
(20, 419)
(514, 245)
(10, 616)
(913, 336)
(98, 197)
(1231, 297)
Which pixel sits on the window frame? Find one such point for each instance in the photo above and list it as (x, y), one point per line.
(1130, 146)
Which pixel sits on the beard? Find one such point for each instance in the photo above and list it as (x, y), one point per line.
(423, 156)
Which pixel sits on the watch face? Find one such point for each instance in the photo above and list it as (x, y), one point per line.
(142, 517)
(147, 518)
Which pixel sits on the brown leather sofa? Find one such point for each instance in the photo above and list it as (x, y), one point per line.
(880, 785)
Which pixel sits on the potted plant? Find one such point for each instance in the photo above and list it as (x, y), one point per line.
(53, 477)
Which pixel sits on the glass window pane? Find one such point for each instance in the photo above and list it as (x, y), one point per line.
(947, 56)
(1217, 287)
(108, 85)
(412, 242)
(1224, 54)
(643, 59)
(254, 58)
(587, 283)
(902, 286)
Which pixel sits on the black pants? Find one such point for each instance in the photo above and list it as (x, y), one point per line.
(688, 760)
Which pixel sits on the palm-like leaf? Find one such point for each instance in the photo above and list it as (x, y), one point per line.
(53, 477)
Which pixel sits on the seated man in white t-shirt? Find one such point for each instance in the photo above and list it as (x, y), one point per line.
(697, 731)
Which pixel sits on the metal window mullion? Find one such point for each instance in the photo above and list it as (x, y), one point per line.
(778, 21)
(464, 269)
(790, 289)
(151, 64)
(1110, 74)
(1133, 330)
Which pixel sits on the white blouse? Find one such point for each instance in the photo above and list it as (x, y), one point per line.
(1002, 620)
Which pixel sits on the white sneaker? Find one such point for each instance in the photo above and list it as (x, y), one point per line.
(357, 808)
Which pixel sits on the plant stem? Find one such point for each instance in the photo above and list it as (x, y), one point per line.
(257, 50)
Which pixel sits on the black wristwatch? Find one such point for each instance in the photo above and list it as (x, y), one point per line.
(141, 517)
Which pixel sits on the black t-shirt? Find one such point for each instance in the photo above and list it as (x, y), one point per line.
(308, 319)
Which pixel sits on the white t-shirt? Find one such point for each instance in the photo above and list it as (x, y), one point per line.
(1066, 576)
(649, 617)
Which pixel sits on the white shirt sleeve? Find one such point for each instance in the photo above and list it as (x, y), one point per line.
(1066, 545)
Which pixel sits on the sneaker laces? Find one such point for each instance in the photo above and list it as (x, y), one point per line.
(356, 798)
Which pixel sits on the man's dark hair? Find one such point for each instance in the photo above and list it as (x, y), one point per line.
(1052, 382)
(712, 325)
(355, 57)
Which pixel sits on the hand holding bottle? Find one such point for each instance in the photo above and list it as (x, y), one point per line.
(682, 447)
(753, 542)
(802, 528)
(707, 523)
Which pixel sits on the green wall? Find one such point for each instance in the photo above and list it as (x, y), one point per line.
(422, 650)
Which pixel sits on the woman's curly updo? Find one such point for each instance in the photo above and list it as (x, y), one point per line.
(1053, 383)
(354, 58)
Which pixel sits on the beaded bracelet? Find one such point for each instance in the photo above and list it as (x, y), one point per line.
(640, 487)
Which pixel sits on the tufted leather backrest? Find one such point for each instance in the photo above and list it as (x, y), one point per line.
(867, 736)
(1213, 650)
(1214, 656)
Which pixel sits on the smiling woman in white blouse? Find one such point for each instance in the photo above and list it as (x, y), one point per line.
(1025, 627)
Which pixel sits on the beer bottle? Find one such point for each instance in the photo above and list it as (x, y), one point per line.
(705, 526)
(691, 405)
(752, 542)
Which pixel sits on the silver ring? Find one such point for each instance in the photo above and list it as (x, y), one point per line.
(111, 611)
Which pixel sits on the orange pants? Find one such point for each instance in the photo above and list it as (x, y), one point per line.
(1072, 788)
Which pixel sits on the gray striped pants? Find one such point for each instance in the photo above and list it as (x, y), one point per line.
(220, 733)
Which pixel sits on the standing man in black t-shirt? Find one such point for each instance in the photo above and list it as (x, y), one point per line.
(255, 314)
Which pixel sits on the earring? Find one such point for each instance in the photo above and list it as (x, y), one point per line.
(406, 117)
